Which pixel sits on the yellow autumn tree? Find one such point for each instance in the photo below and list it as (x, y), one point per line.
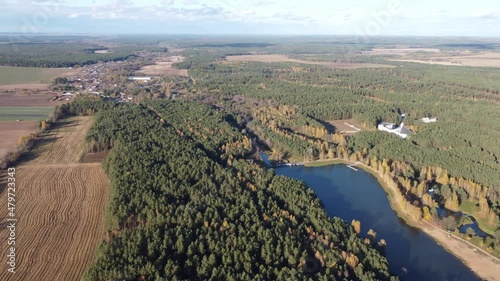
(356, 225)
(427, 214)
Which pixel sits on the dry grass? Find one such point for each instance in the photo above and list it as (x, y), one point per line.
(164, 67)
(63, 143)
(10, 131)
(282, 58)
(347, 126)
(484, 59)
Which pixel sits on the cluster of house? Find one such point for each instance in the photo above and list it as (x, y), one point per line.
(401, 130)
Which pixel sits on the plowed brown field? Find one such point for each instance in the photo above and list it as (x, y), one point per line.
(60, 206)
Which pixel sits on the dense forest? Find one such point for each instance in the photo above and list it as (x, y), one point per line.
(187, 204)
(64, 54)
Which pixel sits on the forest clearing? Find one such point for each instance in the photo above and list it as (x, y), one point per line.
(347, 126)
(164, 67)
(282, 58)
(484, 59)
(60, 206)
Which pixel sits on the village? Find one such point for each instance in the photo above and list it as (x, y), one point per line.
(121, 81)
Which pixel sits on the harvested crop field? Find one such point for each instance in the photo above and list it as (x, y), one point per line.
(10, 133)
(63, 143)
(61, 220)
(282, 58)
(27, 99)
(17, 87)
(60, 205)
(164, 67)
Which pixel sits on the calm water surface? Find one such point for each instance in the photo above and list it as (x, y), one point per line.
(358, 195)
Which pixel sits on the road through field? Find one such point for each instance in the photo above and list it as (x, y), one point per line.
(60, 206)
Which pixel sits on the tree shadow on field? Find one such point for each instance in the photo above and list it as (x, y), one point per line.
(33, 153)
(65, 123)
(3, 182)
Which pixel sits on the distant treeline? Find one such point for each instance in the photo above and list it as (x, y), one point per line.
(63, 54)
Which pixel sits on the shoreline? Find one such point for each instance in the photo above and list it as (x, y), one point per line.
(483, 264)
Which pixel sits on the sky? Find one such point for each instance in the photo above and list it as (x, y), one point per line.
(284, 17)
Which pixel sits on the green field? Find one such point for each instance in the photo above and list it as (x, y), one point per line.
(29, 75)
(24, 113)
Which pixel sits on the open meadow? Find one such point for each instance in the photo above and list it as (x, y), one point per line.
(30, 75)
(60, 204)
(347, 126)
(24, 113)
(282, 58)
(482, 59)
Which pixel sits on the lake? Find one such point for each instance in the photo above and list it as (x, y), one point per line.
(358, 195)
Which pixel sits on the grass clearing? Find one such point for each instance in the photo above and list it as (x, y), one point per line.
(469, 208)
(25, 113)
(10, 75)
(347, 126)
(483, 59)
(282, 58)
(164, 67)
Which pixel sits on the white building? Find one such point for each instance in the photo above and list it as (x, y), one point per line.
(143, 79)
(400, 131)
(429, 120)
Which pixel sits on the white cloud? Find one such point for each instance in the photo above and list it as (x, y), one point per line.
(489, 15)
(325, 14)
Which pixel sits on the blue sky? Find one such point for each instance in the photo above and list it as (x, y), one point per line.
(362, 17)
